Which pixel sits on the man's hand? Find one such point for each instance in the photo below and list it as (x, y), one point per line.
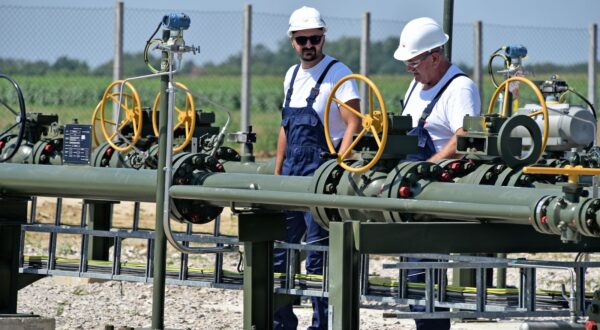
(449, 150)
(353, 123)
(280, 155)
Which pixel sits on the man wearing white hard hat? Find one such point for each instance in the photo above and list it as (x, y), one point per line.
(301, 140)
(440, 94)
(438, 99)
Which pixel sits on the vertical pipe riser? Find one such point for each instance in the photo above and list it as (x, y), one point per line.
(160, 247)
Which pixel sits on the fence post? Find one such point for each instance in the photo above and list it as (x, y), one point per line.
(246, 65)
(448, 22)
(477, 64)
(118, 56)
(592, 62)
(364, 60)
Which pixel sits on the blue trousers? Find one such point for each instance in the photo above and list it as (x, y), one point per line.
(297, 224)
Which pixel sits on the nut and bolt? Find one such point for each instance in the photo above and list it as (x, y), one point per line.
(562, 225)
(329, 188)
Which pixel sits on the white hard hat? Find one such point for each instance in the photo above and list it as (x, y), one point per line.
(418, 36)
(306, 18)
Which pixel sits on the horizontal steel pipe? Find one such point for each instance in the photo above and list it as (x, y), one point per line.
(267, 167)
(254, 182)
(461, 192)
(78, 182)
(515, 214)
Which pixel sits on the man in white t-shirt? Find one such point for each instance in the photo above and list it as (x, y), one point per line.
(301, 139)
(422, 50)
(438, 99)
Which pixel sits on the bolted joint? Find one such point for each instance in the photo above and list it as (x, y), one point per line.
(562, 226)
(412, 178)
(435, 170)
(330, 188)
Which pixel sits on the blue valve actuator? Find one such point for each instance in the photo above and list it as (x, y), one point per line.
(176, 21)
(514, 51)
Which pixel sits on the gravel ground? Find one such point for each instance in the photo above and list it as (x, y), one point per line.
(75, 304)
(89, 304)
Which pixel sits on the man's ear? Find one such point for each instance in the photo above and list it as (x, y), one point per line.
(435, 58)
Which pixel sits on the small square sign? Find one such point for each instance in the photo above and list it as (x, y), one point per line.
(77, 145)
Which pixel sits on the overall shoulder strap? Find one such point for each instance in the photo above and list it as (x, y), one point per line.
(403, 103)
(288, 95)
(431, 104)
(314, 92)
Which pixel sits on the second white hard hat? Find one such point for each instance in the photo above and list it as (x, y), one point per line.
(418, 36)
(306, 18)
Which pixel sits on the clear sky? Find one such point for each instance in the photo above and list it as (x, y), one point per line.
(547, 13)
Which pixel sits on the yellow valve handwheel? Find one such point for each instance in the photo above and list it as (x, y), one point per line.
(505, 86)
(185, 118)
(130, 103)
(375, 122)
(96, 118)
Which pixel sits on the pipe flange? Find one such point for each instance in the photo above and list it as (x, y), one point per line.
(325, 181)
(188, 210)
(106, 156)
(587, 224)
(455, 168)
(406, 181)
(539, 218)
(48, 151)
(484, 174)
(506, 176)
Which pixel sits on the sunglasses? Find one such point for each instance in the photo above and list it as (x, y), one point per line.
(415, 63)
(314, 40)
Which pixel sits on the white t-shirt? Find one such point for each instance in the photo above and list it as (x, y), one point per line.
(460, 98)
(307, 79)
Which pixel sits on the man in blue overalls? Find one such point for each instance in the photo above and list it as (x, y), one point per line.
(301, 138)
(438, 99)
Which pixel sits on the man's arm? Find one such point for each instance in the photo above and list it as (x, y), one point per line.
(280, 155)
(464, 101)
(352, 121)
(449, 150)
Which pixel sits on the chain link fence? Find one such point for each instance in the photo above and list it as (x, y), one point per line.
(62, 57)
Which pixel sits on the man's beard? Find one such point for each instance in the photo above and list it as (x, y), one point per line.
(309, 54)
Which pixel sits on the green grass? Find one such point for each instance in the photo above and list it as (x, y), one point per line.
(77, 96)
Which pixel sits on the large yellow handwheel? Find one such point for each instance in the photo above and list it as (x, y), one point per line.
(375, 122)
(504, 86)
(185, 118)
(95, 116)
(129, 102)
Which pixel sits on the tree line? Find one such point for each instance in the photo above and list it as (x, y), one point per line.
(264, 62)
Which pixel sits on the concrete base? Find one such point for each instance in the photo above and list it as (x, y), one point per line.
(17, 322)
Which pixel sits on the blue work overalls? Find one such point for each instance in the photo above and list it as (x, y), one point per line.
(426, 150)
(305, 140)
(425, 142)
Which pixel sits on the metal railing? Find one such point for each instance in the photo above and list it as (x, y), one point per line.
(481, 301)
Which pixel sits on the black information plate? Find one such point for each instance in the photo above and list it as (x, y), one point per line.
(77, 146)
